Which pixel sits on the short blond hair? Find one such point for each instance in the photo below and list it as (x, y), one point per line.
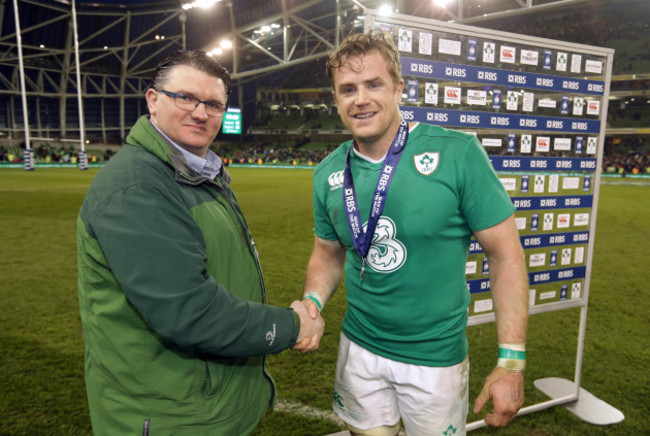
(360, 44)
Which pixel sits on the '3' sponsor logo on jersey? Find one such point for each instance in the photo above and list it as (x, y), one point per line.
(387, 253)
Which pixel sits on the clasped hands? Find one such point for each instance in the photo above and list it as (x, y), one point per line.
(312, 326)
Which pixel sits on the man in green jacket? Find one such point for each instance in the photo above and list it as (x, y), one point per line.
(171, 293)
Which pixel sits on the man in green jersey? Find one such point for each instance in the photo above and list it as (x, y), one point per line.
(396, 208)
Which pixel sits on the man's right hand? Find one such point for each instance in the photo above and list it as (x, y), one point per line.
(311, 328)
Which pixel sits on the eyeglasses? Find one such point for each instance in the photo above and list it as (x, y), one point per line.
(189, 103)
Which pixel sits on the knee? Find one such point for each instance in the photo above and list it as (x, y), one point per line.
(384, 430)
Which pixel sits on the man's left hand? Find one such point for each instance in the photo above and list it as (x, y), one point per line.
(506, 389)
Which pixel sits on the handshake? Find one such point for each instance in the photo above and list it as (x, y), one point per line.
(312, 326)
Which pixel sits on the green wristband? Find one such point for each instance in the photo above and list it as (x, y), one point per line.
(312, 296)
(506, 353)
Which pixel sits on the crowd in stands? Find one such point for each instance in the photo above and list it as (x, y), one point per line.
(298, 152)
(626, 156)
(46, 153)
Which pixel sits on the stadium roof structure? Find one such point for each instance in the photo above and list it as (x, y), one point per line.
(118, 43)
(129, 37)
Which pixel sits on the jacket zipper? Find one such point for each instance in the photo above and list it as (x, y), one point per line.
(252, 247)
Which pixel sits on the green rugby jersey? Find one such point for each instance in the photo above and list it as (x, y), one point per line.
(411, 305)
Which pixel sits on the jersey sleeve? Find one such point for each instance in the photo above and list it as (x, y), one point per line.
(323, 227)
(484, 201)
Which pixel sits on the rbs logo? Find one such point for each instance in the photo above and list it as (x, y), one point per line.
(407, 115)
(421, 68)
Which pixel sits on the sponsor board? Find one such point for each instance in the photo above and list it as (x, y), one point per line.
(509, 183)
(543, 143)
(576, 290)
(592, 66)
(593, 107)
(426, 42)
(539, 184)
(563, 220)
(520, 222)
(562, 144)
(491, 142)
(452, 94)
(477, 98)
(507, 54)
(581, 219)
(472, 50)
(536, 260)
(496, 76)
(529, 57)
(431, 93)
(553, 183)
(548, 222)
(449, 46)
(405, 40)
(570, 183)
(489, 52)
(483, 306)
(547, 103)
(576, 63)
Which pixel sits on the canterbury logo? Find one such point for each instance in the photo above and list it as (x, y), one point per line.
(335, 180)
(270, 335)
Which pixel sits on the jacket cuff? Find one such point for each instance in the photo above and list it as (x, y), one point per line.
(296, 328)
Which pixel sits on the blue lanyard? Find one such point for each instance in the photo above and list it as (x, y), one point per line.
(360, 238)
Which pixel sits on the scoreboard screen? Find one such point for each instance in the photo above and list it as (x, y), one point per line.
(232, 121)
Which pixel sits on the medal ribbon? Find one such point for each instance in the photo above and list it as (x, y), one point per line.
(360, 238)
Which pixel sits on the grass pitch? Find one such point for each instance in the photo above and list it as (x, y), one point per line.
(41, 363)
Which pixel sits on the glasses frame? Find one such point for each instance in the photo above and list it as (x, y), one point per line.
(208, 105)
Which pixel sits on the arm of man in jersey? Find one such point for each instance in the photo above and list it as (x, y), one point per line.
(509, 285)
(323, 276)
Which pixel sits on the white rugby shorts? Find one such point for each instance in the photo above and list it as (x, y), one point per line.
(372, 391)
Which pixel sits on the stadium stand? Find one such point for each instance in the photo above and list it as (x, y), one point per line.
(293, 112)
(627, 144)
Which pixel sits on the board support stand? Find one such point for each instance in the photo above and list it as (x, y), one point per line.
(587, 407)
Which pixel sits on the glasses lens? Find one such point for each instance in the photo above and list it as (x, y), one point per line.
(186, 102)
(189, 102)
(215, 109)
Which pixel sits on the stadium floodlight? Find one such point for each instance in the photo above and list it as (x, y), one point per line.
(225, 44)
(441, 3)
(203, 4)
(385, 10)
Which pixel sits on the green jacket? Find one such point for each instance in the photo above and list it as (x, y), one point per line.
(172, 299)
